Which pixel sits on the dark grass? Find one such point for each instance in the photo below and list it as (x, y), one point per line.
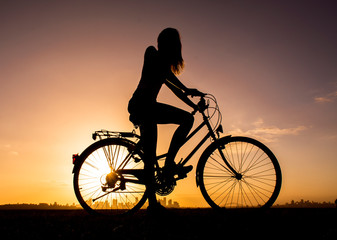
(275, 223)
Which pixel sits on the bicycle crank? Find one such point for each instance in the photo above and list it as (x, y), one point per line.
(163, 186)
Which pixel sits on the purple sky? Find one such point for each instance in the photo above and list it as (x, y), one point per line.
(68, 68)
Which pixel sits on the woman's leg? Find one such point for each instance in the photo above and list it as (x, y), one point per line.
(148, 131)
(161, 114)
(166, 114)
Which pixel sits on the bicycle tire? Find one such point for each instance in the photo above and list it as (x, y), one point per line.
(90, 173)
(261, 179)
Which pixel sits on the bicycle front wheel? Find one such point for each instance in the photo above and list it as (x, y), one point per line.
(108, 178)
(257, 184)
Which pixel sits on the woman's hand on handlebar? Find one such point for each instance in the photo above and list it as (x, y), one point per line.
(194, 92)
(201, 106)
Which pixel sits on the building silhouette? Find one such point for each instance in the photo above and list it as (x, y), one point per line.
(306, 204)
(169, 203)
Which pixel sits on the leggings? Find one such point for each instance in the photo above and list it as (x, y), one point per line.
(147, 117)
(160, 113)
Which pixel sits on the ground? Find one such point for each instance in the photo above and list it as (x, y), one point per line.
(275, 223)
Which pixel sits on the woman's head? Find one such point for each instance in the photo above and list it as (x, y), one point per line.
(169, 46)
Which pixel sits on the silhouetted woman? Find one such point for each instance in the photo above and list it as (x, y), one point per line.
(160, 67)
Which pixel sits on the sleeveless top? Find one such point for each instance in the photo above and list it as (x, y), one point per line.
(154, 75)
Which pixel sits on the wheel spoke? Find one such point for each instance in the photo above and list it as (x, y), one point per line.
(96, 192)
(258, 183)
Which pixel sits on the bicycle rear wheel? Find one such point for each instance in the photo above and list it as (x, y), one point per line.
(108, 177)
(257, 184)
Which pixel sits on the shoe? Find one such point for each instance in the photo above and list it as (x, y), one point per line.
(183, 170)
(172, 169)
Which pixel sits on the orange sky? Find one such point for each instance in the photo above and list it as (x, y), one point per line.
(68, 68)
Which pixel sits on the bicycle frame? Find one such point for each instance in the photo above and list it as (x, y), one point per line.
(210, 133)
(195, 131)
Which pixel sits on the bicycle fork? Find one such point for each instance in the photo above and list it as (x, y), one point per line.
(237, 175)
(211, 134)
(225, 164)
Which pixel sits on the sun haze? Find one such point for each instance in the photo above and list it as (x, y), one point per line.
(68, 68)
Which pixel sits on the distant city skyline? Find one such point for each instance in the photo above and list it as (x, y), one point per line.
(115, 205)
(164, 202)
(169, 204)
(69, 68)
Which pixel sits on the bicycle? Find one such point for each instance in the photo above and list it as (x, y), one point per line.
(232, 172)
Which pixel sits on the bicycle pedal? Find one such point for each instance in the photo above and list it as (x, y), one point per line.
(181, 176)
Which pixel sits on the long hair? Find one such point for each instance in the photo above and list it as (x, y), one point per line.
(169, 46)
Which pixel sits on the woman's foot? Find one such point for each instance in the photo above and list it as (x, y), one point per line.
(171, 169)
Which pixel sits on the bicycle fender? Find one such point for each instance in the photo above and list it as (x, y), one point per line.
(78, 158)
(207, 152)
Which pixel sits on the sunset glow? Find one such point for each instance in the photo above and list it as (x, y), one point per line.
(69, 68)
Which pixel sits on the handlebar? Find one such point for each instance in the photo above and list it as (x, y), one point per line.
(210, 111)
(202, 106)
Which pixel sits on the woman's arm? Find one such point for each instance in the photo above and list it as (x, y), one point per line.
(180, 94)
(179, 89)
(173, 80)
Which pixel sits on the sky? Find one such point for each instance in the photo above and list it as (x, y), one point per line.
(68, 68)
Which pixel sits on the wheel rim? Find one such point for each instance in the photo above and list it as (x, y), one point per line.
(102, 189)
(257, 182)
